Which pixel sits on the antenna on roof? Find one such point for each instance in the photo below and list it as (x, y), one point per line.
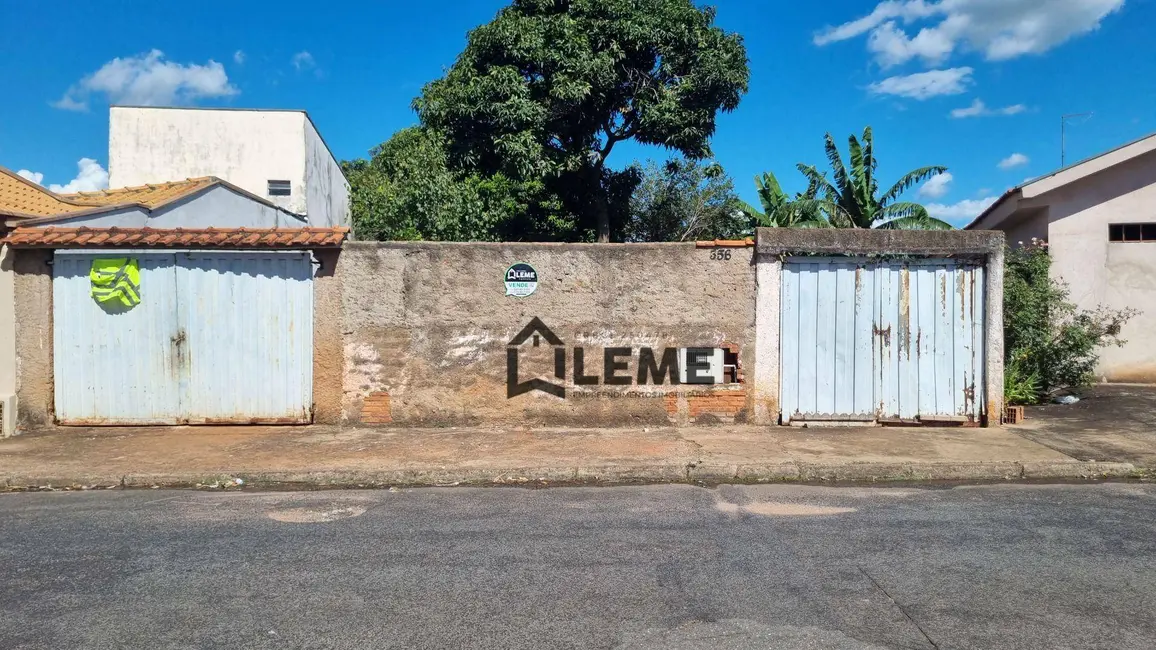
(1064, 134)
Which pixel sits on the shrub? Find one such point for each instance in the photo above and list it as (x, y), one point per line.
(1050, 344)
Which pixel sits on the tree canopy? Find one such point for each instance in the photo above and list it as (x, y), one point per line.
(683, 200)
(546, 90)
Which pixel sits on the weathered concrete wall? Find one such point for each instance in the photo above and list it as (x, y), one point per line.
(426, 328)
(7, 342)
(33, 308)
(328, 350)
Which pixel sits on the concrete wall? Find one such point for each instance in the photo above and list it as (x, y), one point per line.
(426, 328)
(326, 190)
(7, 342)
(32, 288)
(246, 148)
(217, 207)
(1112, 274)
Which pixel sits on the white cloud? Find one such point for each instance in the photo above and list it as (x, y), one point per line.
(1000, 29)
(1014, 160)
(883, 12)
(961, 212)
(924, 85)
(936, 186)
(35, 177)
(892, 47)
(89, 178)
(239, 57)
(149, 80)
(303, 60)
(67, 103)
(979, 109)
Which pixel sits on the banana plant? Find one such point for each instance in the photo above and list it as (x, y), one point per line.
(849, 199)
(781, 211)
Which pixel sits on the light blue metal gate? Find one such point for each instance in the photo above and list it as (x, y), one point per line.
(864, 340)
(218, 337)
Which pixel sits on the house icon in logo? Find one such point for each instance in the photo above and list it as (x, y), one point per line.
(536, 331)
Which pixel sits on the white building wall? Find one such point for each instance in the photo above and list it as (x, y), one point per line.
(326, 190)
(7, 344)
(246, 148)
(1113, 274)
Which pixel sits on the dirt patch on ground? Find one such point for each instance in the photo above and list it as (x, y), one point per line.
(1111, 422)
(315, 515)
(774, 509)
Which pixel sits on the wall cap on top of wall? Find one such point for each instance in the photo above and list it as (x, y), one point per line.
(858, 241)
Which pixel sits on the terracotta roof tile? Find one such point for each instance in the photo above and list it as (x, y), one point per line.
(50, 237)
(726, 243)
(21, 197)
(151, 196)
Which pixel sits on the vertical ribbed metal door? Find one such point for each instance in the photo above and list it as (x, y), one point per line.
(248, 319)
(218, 337)
(863, 340)
(115, 365)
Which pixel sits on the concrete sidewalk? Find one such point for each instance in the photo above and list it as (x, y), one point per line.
(335, 457)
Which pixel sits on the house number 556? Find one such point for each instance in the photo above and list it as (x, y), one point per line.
(720, 254)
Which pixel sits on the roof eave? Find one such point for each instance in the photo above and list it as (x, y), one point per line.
(992, 208)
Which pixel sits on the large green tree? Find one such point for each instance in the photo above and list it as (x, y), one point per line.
(407, 191)
(682, 200)
(850, 199)
(547, 89)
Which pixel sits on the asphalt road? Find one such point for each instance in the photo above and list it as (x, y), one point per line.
(644, 567)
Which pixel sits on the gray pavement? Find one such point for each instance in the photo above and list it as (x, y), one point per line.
(1002, 566)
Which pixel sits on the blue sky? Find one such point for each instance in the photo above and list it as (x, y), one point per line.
(902, 67)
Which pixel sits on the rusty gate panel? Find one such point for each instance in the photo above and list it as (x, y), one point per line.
(113, 365)
(865, 340)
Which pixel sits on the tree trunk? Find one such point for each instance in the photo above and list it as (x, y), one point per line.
(602, 212)
(601, 204)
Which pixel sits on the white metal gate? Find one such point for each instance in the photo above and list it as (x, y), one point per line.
(218, 337)
(865, 340)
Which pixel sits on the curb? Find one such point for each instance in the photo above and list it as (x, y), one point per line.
(698, 472)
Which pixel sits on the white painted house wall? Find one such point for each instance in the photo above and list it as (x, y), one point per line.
(7, 343)
(1072, 210)
(1112, 274)
(247, 148)
(326, 190)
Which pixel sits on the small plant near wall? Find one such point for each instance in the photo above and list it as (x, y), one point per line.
(1050, 344)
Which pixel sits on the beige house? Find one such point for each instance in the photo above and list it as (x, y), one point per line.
(1099, 219)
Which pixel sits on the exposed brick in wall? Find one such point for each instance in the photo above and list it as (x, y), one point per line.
(376, 409)
(722, 405)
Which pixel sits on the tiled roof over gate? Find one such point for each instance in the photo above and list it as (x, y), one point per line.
(177, 237)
